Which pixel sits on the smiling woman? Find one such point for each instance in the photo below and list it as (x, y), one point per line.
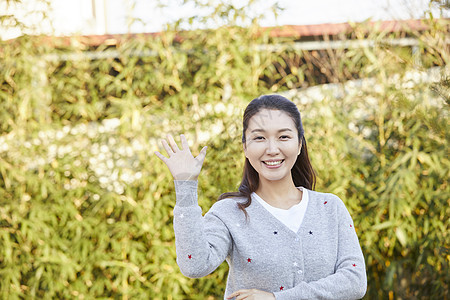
(291, 242)
(272, 149)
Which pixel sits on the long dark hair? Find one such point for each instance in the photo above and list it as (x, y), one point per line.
(302, 172)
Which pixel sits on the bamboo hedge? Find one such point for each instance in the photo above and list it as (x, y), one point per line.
(86, 209)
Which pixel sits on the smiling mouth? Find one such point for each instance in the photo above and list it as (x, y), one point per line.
(273, 163)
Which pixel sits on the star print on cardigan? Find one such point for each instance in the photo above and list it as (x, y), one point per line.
(310, 232)
(281, 288)
(275, 232)
(354, 265)
(351, 225)
(325, 202)
(249, 260)
(181, 216)
(190, 256)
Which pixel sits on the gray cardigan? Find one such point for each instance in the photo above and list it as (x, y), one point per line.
(323, 260)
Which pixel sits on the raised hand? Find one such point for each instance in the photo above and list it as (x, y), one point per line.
(181, 163)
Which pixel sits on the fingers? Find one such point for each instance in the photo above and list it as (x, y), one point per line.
(161, 157)
(251, 294)
(241, 294)
(201, 156)
(171, 147)
(184, 142)
(166, 146)
(172, 143)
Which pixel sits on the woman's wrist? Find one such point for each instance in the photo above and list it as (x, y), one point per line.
(185, 177)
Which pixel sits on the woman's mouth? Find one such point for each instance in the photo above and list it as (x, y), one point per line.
(273, 163)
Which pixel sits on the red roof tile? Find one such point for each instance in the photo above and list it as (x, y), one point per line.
(335, 29)
(281, 31)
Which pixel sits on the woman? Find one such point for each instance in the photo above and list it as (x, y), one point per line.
(281, 239)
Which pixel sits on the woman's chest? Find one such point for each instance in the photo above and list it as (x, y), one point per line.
(269, 251)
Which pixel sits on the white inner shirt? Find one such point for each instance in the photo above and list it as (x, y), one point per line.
(291, 217)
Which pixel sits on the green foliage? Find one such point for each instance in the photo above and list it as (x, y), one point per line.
(387, 159)
(86, 208)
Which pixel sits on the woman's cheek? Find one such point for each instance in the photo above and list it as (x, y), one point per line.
(256, 148)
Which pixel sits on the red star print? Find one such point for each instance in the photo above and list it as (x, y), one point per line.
(249, 260)
(351, 225)
(354, 265)
(281, 288)
(325, 202)
(189, 256)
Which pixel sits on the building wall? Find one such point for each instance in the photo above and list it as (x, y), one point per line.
(86, 17)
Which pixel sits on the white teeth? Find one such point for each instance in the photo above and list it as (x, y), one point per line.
(273, 163)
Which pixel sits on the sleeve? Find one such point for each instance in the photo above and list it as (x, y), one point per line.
(202, 243)
(349, 280)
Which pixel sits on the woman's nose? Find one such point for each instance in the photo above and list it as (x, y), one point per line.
(272, 147)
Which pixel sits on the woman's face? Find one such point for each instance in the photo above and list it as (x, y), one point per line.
(272, 144)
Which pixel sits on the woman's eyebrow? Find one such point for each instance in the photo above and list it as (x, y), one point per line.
(262, 130)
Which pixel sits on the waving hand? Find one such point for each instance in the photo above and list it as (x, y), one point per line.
(181, 163)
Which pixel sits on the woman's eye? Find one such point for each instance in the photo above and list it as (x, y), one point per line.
(281, 137)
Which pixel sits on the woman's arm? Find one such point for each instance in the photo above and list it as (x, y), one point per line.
(202, 243)
(349, 280)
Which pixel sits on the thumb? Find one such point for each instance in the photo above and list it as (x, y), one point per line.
(202, 154)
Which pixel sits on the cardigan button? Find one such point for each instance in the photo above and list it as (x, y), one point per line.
(300, 272)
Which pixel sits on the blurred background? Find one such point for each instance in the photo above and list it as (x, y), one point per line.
(88, 88)
(88, 17)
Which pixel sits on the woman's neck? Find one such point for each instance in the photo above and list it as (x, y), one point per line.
(281, 193)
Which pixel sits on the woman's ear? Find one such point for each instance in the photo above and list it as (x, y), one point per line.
(245, 149)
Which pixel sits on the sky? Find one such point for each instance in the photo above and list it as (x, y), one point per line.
(296, 12)
(112, 16)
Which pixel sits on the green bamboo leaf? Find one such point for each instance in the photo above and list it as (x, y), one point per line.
(383, 225)
(400, 233)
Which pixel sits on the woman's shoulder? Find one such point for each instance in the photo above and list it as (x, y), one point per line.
(227, 205)
(230, 201)
(324, 199)
(322, 195)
